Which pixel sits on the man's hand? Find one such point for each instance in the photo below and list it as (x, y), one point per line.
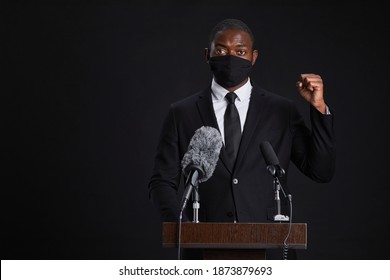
(311, 88)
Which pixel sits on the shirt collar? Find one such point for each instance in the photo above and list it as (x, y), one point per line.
(243, 93)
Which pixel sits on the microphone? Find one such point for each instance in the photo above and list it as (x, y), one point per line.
(276, 171)
(271, 160)
(200, 160)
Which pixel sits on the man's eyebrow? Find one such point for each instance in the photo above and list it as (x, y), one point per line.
(220, 45)
(239, 44)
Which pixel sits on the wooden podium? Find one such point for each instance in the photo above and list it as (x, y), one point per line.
(234, 240)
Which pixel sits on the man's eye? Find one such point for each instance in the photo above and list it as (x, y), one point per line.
(220, 51)
(241, 52)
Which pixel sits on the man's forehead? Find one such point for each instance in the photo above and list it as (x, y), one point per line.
(235, 35)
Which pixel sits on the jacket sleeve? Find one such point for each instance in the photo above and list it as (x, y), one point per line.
(166, 174)
(313, 151)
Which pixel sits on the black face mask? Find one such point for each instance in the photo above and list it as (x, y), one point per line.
(230, 70)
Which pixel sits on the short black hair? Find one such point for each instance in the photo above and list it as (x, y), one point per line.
(230, 23)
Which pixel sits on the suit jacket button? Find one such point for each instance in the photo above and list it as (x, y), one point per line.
(229, 214)
(235, 181)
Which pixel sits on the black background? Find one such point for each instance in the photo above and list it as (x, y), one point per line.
(87, 84)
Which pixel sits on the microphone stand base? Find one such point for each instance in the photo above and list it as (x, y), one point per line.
(281, 218)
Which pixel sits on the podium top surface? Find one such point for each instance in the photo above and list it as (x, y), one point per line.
(234, 235)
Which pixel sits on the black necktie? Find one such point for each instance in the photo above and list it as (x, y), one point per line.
(232, 127)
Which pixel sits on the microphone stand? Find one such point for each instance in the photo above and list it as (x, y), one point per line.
(277, 172)
(195, 204)
(193, 188)
(278, 187)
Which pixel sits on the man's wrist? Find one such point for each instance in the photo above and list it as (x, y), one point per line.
(322, 108)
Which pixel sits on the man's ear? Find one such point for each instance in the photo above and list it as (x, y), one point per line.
(207, 54)
(255, 55)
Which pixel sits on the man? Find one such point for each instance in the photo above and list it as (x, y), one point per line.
(240, 189)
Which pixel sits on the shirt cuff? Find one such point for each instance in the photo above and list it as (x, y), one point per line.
(327, 111)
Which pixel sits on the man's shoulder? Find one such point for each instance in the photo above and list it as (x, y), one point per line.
(272, 96)
(193, 98)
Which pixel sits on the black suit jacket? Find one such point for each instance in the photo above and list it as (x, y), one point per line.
(242, 192)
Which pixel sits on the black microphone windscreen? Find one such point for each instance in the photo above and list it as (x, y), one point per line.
(269, 153)
(203, 151)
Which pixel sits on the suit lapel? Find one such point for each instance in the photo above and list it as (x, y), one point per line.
(206, 111)
(254, 116)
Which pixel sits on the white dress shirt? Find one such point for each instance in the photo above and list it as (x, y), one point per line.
(220, 103)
